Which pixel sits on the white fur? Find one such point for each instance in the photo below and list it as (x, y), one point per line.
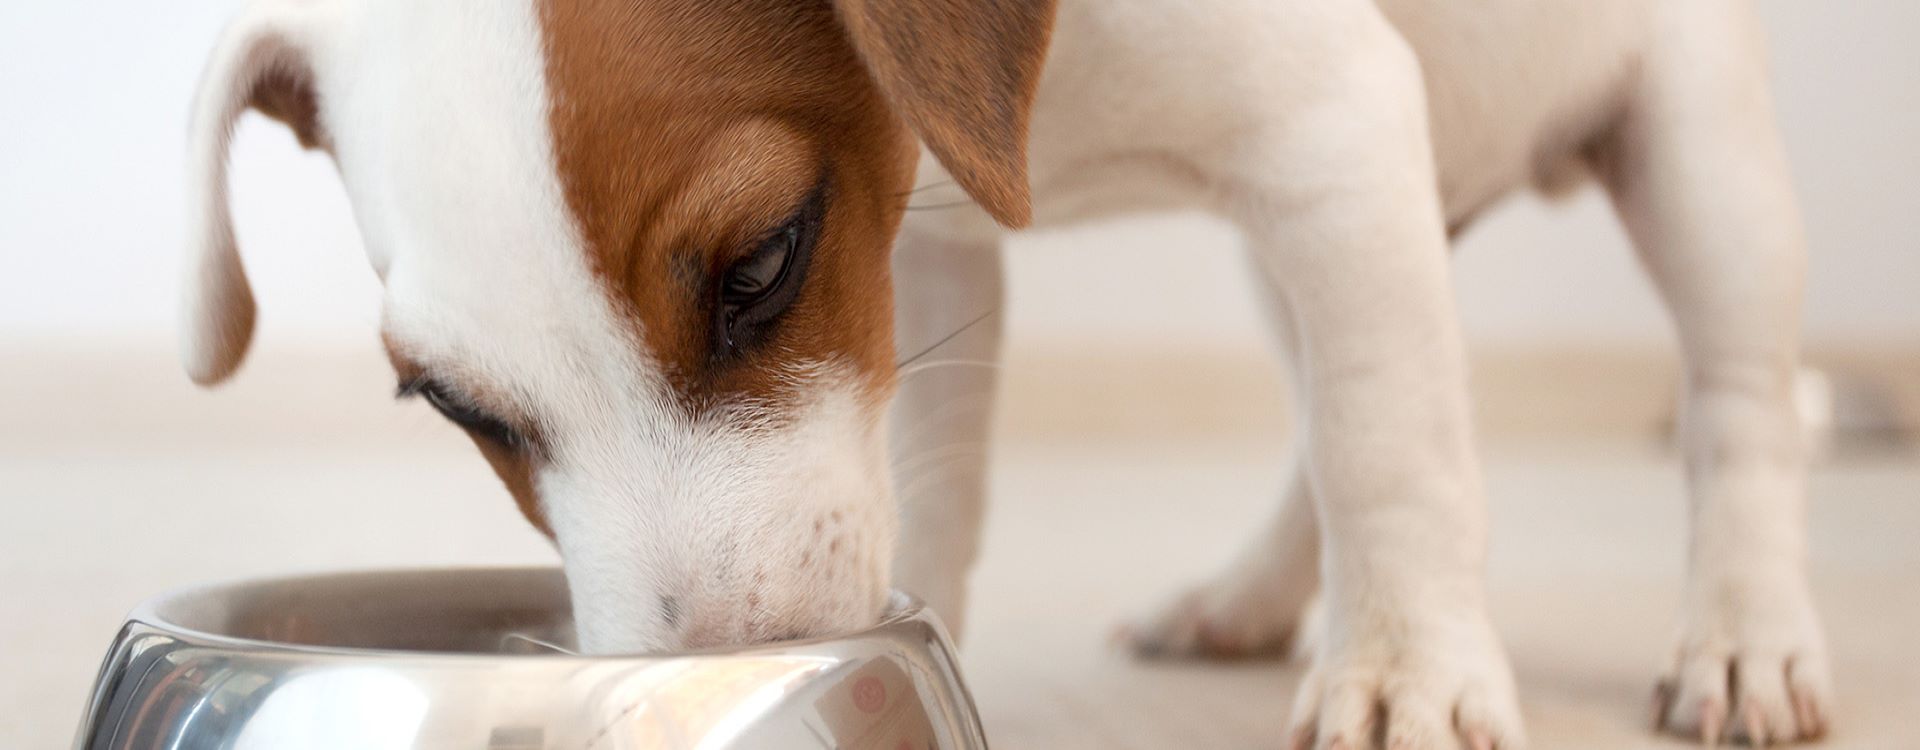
(438, 116)
(1344, 138)
(219, 308)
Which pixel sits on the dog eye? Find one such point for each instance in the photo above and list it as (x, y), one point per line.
(752, 279)
(757, 288)
(460, 411)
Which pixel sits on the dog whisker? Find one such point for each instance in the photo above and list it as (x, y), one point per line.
(914, 477)
(947, 338)
(914, 495)
(948, 411)
(928, 186)
(943, 451)
(919, 367)
(939, 206)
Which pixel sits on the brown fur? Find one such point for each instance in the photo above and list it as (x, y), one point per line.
(686, 129)
(516, 470)
(284, 92)
(963, 73)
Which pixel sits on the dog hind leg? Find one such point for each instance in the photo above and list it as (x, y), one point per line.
(1255, 606)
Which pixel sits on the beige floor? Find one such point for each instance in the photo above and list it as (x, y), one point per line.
(118, 482)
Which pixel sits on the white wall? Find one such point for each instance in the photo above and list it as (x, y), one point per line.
(92, 141)
(91, 208)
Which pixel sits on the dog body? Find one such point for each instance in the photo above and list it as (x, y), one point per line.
(644, 253)
(1321, 130)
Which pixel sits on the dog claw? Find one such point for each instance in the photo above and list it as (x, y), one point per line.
(1663, 694)
(1806, 711)
(1710, 724)
(1802, 714)
(1756, 727)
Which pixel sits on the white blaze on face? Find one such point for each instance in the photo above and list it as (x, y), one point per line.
(676, 530)
(746, 535)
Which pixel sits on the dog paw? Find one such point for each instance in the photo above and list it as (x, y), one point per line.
(1421, 688)
(1236, 617)
(1750, 669)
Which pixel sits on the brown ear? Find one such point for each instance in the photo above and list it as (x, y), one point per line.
(962, 74)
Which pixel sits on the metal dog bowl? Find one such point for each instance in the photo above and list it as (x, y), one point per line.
(479, 659)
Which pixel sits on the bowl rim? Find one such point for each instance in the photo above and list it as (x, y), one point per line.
(902, 609)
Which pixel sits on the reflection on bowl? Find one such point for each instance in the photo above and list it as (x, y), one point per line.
(482, 659)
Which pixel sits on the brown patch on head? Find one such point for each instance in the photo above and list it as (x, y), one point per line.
(687, 130)
(514, 464)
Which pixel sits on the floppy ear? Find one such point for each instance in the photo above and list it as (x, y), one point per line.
(259, 63)
(962, 74)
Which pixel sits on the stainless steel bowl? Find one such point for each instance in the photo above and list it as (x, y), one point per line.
(480, 659)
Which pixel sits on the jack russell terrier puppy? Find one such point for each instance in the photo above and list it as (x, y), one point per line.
(647, 253)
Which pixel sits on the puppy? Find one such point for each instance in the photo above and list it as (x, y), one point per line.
(646, 253)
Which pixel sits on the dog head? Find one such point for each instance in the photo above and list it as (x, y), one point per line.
(638, 250)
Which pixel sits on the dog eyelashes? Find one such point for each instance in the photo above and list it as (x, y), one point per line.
(461, 411)
(753, 292)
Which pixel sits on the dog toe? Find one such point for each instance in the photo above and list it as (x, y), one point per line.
(1411, 704)
(1750, 698)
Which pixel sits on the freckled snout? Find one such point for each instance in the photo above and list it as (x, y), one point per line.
(746, 539)
(815, 578)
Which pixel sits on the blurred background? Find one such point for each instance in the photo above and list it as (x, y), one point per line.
(118, 479)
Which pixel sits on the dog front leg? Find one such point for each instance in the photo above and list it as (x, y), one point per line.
(1339, 206)
(948, 297)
